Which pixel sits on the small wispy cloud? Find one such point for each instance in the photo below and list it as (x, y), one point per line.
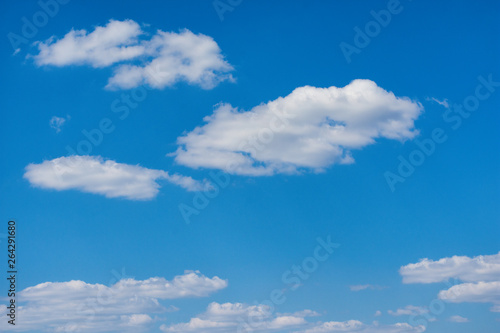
(408, 311)
(360, 287)
(56, 123)
(443, 102)
(458, 319)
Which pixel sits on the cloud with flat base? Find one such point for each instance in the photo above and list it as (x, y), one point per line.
(94, 174)
(310, 129)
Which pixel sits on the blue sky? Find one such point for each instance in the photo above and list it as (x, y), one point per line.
(115, 212)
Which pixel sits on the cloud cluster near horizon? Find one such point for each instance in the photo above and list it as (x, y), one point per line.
(131, 305)
(239, 317)
(127, 306)
(161, 61)
(358, 326)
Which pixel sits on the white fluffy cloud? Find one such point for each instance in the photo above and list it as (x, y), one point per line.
(481, 274)
(238, 317)
(93, 174)
(480, 292)
(357, 326)
(114, 42)
(126, 306)
(184, 56)
(480, 268)
(311, 128)
(163, 60)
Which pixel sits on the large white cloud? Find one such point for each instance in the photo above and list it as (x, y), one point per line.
(160, 61)
(93, 174)
(481, 274)
(311, 128)
(128, 305)
(480, 268)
